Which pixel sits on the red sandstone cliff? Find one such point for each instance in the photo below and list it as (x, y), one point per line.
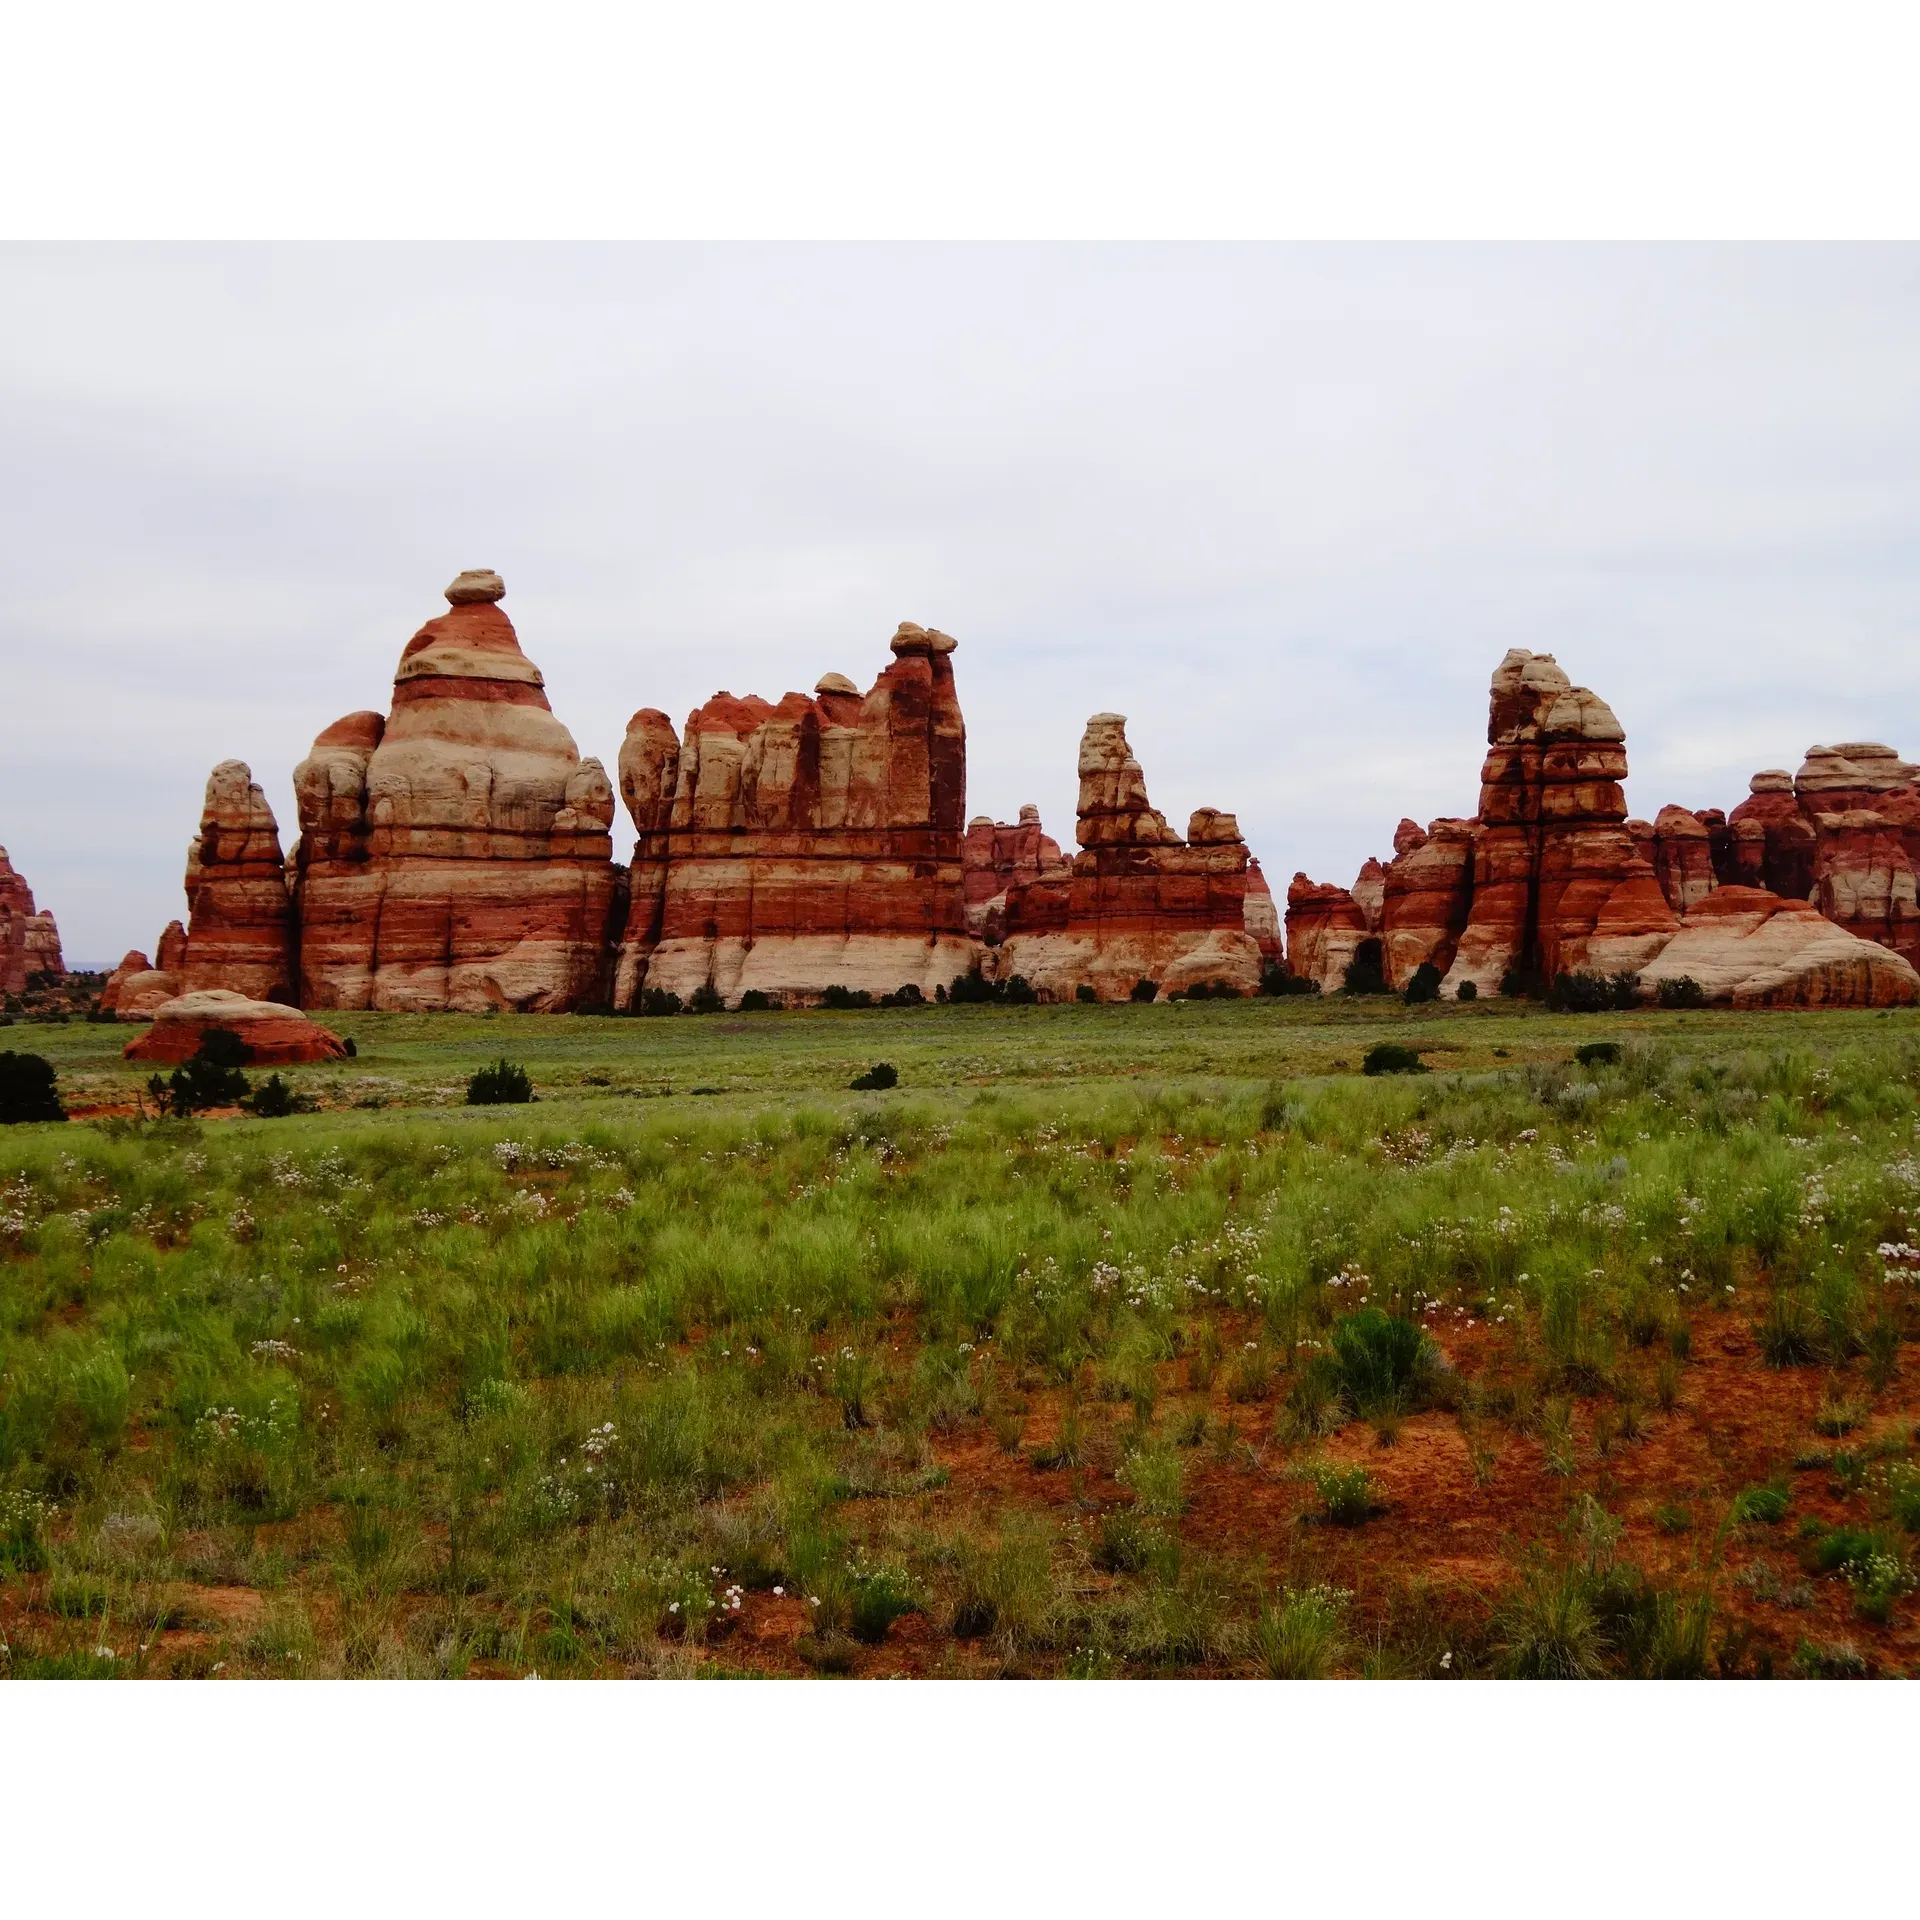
(787, 848)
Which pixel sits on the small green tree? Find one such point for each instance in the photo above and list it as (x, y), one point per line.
(1425, 984)
(212, 1078)
(881, 1075)
(500, 1085)
(29, 1090)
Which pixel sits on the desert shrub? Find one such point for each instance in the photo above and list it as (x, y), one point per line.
(970, 990)
(1379, 1360)
(1767, 1505)
(1348, 1496)
(29, 1090)
(1830, 1660)
(846, 999)
(275, 1100)
(1086, 996)
(1128, 1543)
(1468, 990)
(1365, 972)
(1425, 984)
(501, 1085)
(656, 1001)
(754, 1001)
(1789, 1330)
(1592, 992)
(1144, 991)
(1683, 991)
(904, 996)
(1390, 1057)
(880, 1596)
(880, 1075)
(1302, 1636)
(1276, 980)
(1522, 983)
(1598, 1053)
(707, 998)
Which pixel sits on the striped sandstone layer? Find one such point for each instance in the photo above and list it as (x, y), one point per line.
(455, 855)
(785, 848)
(1141, 903)
(240, 926)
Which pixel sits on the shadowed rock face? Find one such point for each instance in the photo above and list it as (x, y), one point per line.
(29, 940)
(456, 854)
(1141, 903)
(787, 848)
(240, 929)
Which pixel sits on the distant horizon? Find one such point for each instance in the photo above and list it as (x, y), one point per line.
(1286, 507)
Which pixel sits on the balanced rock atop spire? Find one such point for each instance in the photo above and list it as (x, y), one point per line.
(1142, 904)
(785, 848)
(456, 854)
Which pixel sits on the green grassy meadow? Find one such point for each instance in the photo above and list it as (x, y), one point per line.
(1113, 1341)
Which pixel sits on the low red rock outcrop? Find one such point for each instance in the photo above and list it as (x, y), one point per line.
(240, 929)
(1142, 903)
(273, 1035)
(457, 854)
(791, 847)
(29, 940)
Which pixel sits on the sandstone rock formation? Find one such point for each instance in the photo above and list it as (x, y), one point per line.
(1771, 840)
(996, 857)
(1261, 918)
(1142, 904)
(29, 940)
(1427, 894)
(457, 854)
(273, 1035)
(1369, 892)
(1749, 948)
(787, 848)
(1325, 930)
(1557, 883)
(240, 932)
(1683, 858)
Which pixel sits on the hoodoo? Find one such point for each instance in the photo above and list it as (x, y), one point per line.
(1141, 903)
(29, 940)
(240, 927)
(457, 854)
(788, 848)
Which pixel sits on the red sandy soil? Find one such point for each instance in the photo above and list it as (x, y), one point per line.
(1736, 1423)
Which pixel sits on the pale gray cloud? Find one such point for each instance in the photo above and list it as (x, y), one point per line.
(1283, 506)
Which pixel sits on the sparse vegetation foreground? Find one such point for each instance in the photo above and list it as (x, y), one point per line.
(1097, 1341)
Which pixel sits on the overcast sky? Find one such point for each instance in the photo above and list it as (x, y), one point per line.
(1285, 507)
